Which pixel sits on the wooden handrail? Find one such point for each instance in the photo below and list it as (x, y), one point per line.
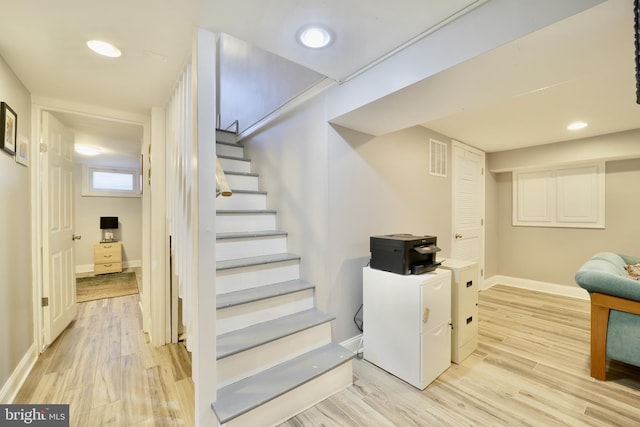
(222, 186)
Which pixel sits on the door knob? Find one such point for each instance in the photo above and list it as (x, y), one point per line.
(78, 237)
(458, 236)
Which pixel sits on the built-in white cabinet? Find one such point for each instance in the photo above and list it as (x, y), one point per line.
(407, 323)
(561, 196)
(464, 307)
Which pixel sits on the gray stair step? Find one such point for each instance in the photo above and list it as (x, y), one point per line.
(232, 299)
(245, 212)
(239, 398)
(230, 143)
(250, 234)
(241, 173)
(248, 191)
(242, 159)
(262, 333)
(256, 260)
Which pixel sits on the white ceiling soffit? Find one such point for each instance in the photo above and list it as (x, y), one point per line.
(581, 69)
(526, 92)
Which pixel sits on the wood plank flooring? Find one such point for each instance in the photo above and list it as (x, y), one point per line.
(104, 367)
(531, 369)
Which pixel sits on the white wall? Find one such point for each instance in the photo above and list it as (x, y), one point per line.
(334, 188)
(254, 82)
(292, 159)
(16, 303)
(88, 211)
(379, 186)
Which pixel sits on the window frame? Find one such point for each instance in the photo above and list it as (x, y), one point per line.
(88, 190)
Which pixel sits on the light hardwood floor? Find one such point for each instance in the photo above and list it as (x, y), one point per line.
(104, 367)
(531, 369)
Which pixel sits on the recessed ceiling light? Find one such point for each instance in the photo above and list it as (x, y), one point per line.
(103, 48)
(315, 36)
(577, 126)
(87, 150)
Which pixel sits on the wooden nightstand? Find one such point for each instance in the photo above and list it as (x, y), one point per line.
(107, 258)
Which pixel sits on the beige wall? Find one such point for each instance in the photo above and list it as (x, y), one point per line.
(16, 304)
(554, 254)
(615, 146)
(88, 211)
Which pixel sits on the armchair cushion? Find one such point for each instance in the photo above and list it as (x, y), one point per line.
(615, 310)
(623, 337)
(606, 273)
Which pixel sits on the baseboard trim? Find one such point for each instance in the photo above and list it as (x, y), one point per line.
(10, 389)
(88, 268)
(534, 285)
(132, 264)
(353, 344)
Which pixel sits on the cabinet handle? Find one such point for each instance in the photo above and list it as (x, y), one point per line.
(107, 256)
(469, 283)
(108, 265)
(425, 315)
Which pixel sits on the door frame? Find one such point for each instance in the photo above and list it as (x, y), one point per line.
(482, 154)
(39, 182)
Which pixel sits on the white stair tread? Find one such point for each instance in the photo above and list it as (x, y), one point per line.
(265, 332)
(232, 299)
(256, 260)
(249, 393)
(226, 137)
(250, 234)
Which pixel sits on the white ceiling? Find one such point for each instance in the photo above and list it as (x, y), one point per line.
(525, 91)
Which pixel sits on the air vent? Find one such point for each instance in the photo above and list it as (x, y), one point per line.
(437, 158)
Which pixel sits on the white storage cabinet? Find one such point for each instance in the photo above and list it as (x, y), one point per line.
(407, 323)
(464, 307)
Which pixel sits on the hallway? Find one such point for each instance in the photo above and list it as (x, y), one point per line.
(103, 366)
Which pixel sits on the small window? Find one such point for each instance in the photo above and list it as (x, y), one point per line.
(110, 182)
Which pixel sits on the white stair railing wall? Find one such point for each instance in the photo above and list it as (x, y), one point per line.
(181, 198)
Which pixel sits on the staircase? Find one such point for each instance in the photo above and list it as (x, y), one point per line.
(275, 357)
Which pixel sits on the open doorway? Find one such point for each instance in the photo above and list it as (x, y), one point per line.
(117, 147)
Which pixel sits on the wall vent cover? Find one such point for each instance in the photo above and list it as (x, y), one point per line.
(437, 158)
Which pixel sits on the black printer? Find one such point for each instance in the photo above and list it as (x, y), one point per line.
(404, 253)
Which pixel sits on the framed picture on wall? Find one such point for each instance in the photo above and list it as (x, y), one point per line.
(8, 128)
(22, 150)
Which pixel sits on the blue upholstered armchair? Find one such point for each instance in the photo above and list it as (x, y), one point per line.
(615, 310)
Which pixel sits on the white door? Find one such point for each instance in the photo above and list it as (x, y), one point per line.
(59, 284)
(468, 205)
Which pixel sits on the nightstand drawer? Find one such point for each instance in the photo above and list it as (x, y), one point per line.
(107, 258)
(113, 267)
(107, 252)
